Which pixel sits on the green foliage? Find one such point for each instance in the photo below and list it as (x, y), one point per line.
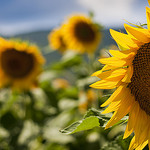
(68, 62)
(46, 117)
(91, 119)
(85, 124)
(118, 144)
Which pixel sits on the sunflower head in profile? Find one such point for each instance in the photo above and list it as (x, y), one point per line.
(20, 64)
(81, 34)
(128, 70)
(56, 40)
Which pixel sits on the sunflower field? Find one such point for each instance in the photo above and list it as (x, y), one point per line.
(83, 89)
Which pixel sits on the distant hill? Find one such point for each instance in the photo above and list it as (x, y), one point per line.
(40, 38)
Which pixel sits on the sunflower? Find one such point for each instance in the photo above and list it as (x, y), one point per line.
(60, 83)
(56, 40)
(20, 63)
(128, 70)
(81, 34)
(86, 100)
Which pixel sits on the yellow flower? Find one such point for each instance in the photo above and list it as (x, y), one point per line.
(129, 72)
(59, 83)
(83, 107)
(56, 40)
(91, 96)
(81, 34)
(19, 64)
(86, 100)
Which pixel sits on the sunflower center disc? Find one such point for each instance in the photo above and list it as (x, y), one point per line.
(16, 64)
(140, 81)
(84, 32)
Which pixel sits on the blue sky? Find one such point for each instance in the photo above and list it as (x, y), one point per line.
(19, 16)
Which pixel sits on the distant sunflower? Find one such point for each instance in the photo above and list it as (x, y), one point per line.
(56, 40)
(60, 83)
(19, 64)
(129, 72)
(81, 34)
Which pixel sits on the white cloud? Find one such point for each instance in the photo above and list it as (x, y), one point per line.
(113, 11)
(30, 15)
(26, 15)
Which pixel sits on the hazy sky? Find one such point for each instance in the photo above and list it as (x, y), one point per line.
(18, 16)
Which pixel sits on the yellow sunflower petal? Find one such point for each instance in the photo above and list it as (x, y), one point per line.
(113, 75)
(129, 73)
(133, 115)
(141, 30)
(127, 131)
(116, 94)
(113, 61)
(141, 123)
(116, 99)
(112, 107)
(141, 146)
(122, 54)
(148, 17)
(137, 33)
(132, 145)
(105, 68)
(104, 84)
(143, 135)
(123, 39)
(124, 108)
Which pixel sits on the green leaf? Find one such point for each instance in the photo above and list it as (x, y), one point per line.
(124, 143)
(8, 104)
(91, 119)
(85, 124)
(94, 112)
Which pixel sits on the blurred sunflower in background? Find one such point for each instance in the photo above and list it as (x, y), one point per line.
(81, 34)
(129, 72)
(60, 83)
(20, 64)
(56, 40)
(86, 100)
